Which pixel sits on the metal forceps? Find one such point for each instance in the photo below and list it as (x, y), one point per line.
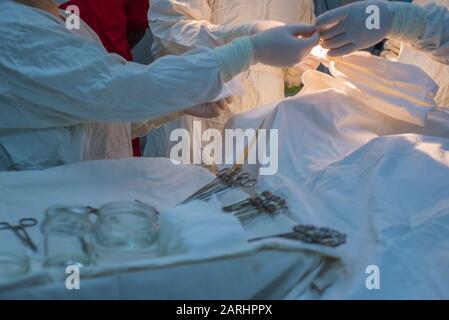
(20, 231)
(240, 181)
(312, 234)
(220, 183)
(261, 203)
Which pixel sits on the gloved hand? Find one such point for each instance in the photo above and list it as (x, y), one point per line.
(264, 25)
(209, 110)
(284, 46)
(344, 30)
(230, 32)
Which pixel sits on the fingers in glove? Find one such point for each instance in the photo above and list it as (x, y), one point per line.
(310, 42)
(337, 41)
(346, 49)
(300, 29)
(334, 32)
(331, 19)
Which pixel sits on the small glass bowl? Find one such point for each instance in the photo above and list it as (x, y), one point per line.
(66, 230)
(13, 265)
(126, 227)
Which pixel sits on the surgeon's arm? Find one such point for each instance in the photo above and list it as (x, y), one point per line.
(435, 36)
(58, 79)
(344, 30)
(77, 81)
(182, 25)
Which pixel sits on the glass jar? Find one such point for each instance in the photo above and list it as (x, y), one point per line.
(126, 227)
(66, 230)
(13, 265)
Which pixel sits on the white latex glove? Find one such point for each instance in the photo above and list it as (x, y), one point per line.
(343, 30)
(284, 46)
(264, 25)
(231, 32)
(209, 110)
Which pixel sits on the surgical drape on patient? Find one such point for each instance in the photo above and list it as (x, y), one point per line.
(382, 85)
(371, 161)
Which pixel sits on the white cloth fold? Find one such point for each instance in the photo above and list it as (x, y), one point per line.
(198, 227)
(401, 91)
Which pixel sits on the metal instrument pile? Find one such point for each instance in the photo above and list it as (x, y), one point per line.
(226, 180)
(261, 203)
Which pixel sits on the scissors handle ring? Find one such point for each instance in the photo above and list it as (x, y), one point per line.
(5, 225)
(27, 222)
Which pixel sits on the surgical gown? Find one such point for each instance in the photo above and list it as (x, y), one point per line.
(64, 99)
(182, 25)
(436, 70)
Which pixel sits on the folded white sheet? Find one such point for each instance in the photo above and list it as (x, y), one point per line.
(198, 227)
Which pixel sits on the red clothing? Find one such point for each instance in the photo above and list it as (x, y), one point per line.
(111, 20)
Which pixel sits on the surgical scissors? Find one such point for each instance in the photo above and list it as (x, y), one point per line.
(20, 231)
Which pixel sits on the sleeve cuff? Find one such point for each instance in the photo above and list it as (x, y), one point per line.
(235, 57)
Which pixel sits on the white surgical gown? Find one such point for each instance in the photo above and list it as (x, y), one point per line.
(64, 99)
(435, 39)
(436, 70)
(182, 25)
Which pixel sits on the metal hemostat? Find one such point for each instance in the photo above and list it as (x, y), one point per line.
(227, 179)
(20, 231)
(261, 203)
(311, 234)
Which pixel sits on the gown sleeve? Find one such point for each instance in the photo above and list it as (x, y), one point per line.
(55, 78)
